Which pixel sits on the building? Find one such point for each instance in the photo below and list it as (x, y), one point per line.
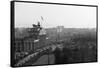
(60, 28)
(29, 40)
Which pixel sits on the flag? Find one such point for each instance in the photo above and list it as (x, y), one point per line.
(42, 18)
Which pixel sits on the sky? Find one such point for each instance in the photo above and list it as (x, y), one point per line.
(68, 16)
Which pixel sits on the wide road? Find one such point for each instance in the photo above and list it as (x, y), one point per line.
(45, 59)
(40, 57)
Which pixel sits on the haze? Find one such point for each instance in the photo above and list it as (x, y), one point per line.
(68, 16)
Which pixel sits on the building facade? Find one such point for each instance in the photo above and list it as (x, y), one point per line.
(28, 44)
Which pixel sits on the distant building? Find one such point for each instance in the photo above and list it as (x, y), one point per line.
(60, 28)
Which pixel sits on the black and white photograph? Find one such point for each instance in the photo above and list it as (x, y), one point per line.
(52, 33)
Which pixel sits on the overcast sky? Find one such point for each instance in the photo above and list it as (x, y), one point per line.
(68, 16)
